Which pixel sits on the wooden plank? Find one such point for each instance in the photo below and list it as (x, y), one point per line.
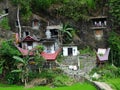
(98, 17)
(98, 27)
(54, 27)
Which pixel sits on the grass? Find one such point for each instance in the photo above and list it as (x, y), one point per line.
(77, 86)
(114, 83)
(109, 74)
(87, 50)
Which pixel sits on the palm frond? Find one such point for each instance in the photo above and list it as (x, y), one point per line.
(69, 34)
(19, 59)
(16, 71)
(69, 28)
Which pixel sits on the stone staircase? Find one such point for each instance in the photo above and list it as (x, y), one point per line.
(87, 63)
(70, 60)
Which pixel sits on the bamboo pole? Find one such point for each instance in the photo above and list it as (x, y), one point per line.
(19, 26)
(78, 61)
(112, 57)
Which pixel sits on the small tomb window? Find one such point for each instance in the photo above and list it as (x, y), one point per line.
(54, 33)
(16, 23)
(26, 33)
(101, 22)
(70, 51)
(6, 10)
(30, 45)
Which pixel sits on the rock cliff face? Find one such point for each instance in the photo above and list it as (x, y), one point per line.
(4, 34)
(6, 7)
(84, 35)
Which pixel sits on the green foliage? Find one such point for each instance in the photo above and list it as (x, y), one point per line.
(114, 43)
(39, 60)
(4, 24)
(66, 30)
(114, 82)
(22, 70)
(110, 72)
(12, 78)
(1, 0)
(90, 3)
(33, 75)
(76, 9)
(56, 77)
(62, 80)
(114, 40)
(39, 48)
(87, 50)
(16, 71)
(25, 9)
(8, 49)
(41, 4)
(23, 64)
(60, 57)
(1, 65)
(47, 73)
(20, 2)
(114, 11)
(67, 33)
(107, 72)
(19, 59)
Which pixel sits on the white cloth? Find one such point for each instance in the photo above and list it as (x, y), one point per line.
(72, 67)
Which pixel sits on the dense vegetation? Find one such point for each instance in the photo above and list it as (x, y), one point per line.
(71, 9)
(7, 51)
(17, 70)
(109, 74)
(114, 43)
(115, 14)
(5, 24)
(114, 38)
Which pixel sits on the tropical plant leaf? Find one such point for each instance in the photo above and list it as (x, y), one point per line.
(16, 71)
(19, 59)
(1, 68)
(69, 34)
(1, 63)
(69, 28)
(91, 3)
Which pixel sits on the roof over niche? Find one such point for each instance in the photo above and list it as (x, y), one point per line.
(47, 56)
(29, 38)
(37, 17)
(52, 56)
